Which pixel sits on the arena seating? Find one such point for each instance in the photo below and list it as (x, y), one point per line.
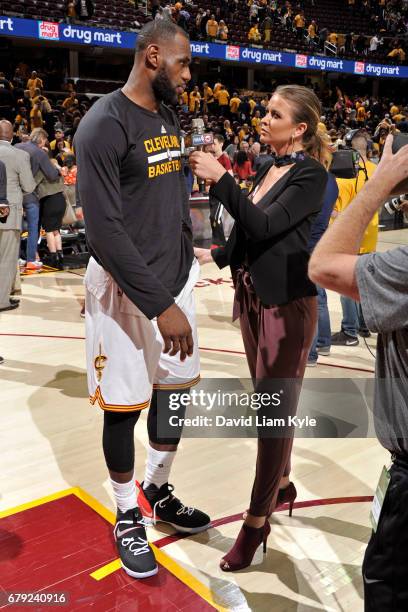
(114, 14)
(331, 14)
(122, 15)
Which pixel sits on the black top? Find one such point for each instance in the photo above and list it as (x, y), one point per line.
(131, 186)
(272, 236)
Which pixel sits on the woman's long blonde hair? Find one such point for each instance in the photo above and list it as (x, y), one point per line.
(307, 109)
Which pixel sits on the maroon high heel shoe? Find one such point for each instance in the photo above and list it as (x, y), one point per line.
(287, 496)
(242, 553)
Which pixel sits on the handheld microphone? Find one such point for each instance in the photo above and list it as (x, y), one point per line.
(200, 138)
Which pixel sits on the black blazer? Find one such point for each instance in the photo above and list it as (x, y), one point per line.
(272, 236)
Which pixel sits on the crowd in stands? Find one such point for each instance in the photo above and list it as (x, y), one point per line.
(234, 116)
(237, 117)
(375, 29)
(24, 102)
(380, 26)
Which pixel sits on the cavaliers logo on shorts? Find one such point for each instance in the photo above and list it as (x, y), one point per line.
(136, 365)
(99, 363)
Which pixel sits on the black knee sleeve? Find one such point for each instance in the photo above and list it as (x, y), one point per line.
(118, 440)
(159, 413)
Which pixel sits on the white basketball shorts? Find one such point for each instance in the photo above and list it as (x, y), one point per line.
(124, 349)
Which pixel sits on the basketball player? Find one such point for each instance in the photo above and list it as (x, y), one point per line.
(140, 316)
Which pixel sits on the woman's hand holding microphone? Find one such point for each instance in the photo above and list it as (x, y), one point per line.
(205, 166)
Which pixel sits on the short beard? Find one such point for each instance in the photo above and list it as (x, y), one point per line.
(163, 89)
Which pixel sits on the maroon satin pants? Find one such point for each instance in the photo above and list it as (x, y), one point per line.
(277, 341)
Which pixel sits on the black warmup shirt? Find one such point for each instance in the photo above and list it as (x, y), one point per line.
(132, 189)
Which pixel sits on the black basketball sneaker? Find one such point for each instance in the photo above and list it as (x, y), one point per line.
(161, 505)
(135, 554)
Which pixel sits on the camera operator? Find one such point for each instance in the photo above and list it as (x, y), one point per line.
(352, 323)
(380, 282)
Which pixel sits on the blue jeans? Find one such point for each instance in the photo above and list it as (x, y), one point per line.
(323, 333)
(353, 319)
(32, 212)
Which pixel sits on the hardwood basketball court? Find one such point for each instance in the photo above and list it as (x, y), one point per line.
(56, 507)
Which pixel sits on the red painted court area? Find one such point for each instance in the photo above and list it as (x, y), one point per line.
(54, 547)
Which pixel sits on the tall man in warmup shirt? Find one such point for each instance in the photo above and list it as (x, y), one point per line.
(140, 316)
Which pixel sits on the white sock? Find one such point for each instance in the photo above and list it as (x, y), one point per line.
(125, 494)
(158, 466)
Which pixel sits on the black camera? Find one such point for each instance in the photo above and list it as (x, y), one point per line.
(395, 204)
(345, 164)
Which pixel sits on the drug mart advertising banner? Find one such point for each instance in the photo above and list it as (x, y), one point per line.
(66, 33)
(81, 35)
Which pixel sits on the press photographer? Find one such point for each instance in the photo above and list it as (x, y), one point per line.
(353, 169)
(379, 281)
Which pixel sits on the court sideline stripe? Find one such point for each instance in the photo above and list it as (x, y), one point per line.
(312, 503)
(202, 348)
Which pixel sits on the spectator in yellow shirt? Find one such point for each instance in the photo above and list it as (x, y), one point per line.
(254, 34)
(394, 110)
(208, 98)
(299, 23)
(398, 117)
(243, 133)
(33, 83)
(217, 87)
(353, 321)
(256, 122)
(235, 103)
(222, 96)
(36, 117)
(54, 144)
(222, 33)
(398, 54)
(361, 115)
(184, 100)
(195, 100)
(212, 28)
(252, 104)
(70, 102)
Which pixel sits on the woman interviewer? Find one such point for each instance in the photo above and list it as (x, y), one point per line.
(274, 298)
